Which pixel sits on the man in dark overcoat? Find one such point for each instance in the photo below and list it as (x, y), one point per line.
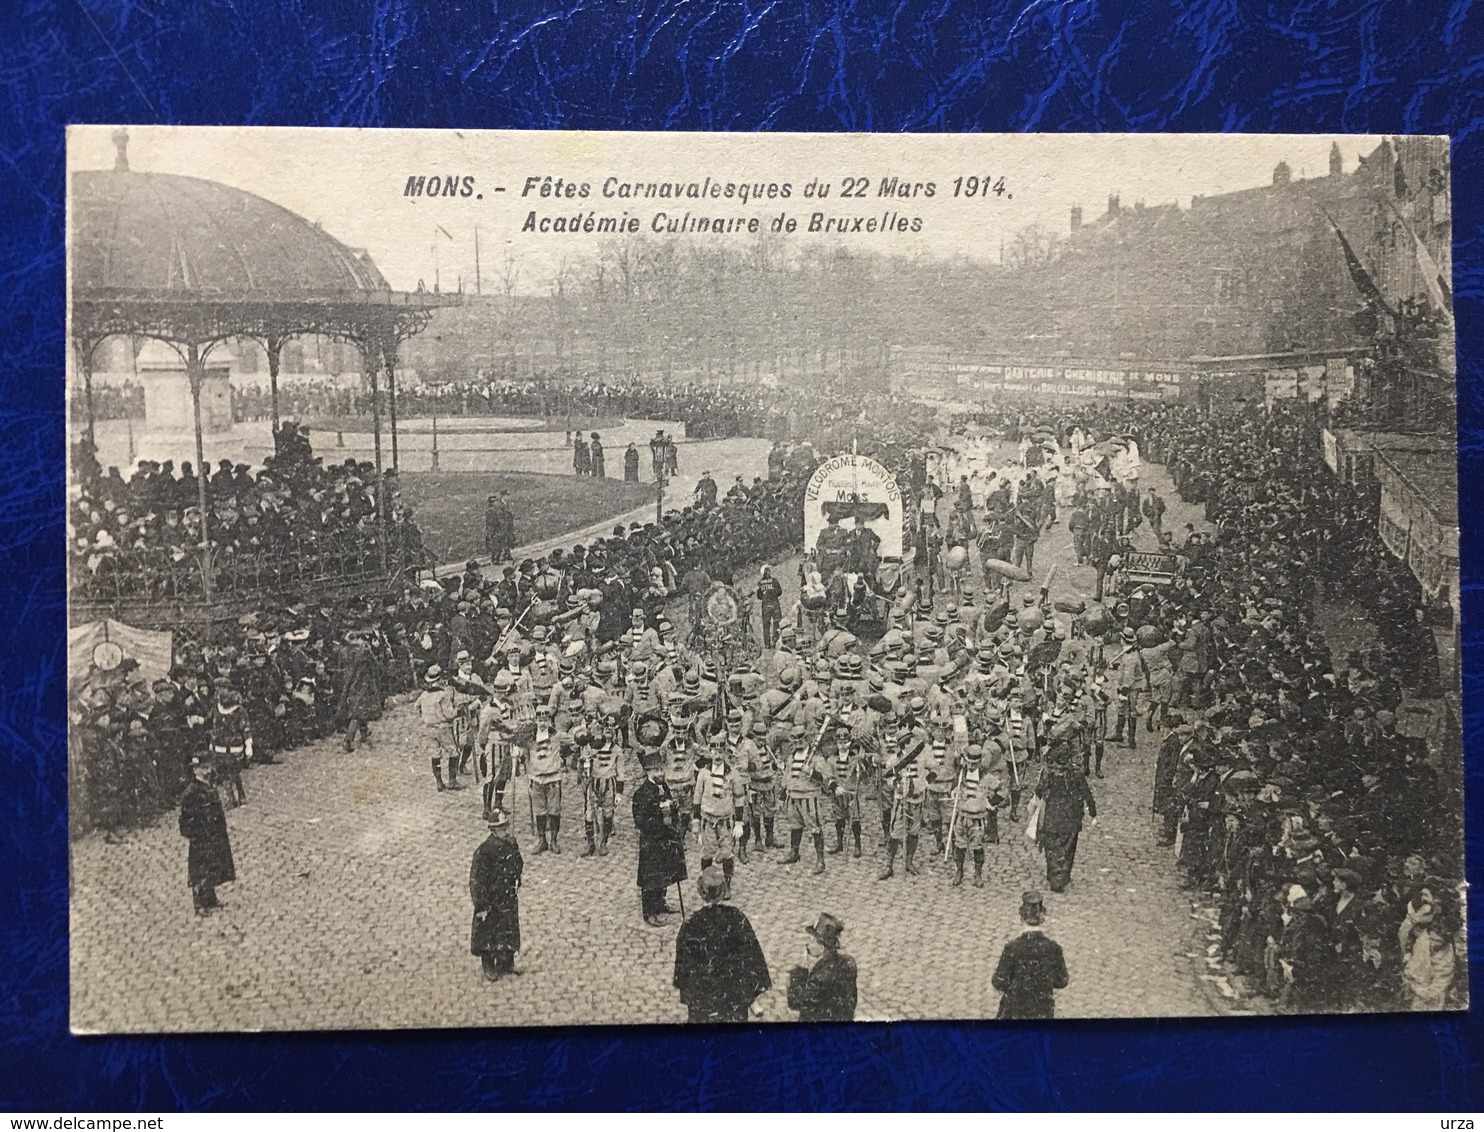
(719, 964)
(1065, 796)
(1031, 968)
(204, 825)
(661, 842)
(494, 883)
(361, 697)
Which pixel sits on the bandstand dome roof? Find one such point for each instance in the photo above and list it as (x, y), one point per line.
(161, 235)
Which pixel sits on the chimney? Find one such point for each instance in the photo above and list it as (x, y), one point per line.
(1282, 174)
(1076, 217)
(121, 146)
(1336, 162)
(1112, 204)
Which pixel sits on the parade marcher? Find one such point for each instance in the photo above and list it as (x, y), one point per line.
(231, 743)
(436, 709)
(902, 796)
(719, 807)
(807, 783)
(849, 766)
(940, 771)
(974, 820)
(204, 825)
(719, 965)
(1031, 967)
(601, 776)
(824, 988)
(770, 606)
(680, 756)
(657, 819)
(1064, 795)
(361, 694)
(494, 755)
(762, 786)
(545, 767)
(494, 884)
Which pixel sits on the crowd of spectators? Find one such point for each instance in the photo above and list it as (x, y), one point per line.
(705, 411)
(1328, 841)
(111, 402)
(294, 521)
(1325, 838)
(133, 742)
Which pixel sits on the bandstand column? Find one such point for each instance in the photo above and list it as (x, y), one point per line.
(195, 373)
(373, 371)
(85, 363)
(390, 356)
(274, 345)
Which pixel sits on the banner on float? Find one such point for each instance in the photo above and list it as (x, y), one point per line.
(850, 486)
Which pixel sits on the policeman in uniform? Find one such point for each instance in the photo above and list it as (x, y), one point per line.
(975, 822)
(719, 807)
(602, 782)
(808, 783)
(545, 767)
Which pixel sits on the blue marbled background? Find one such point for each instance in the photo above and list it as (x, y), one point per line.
(682, 64)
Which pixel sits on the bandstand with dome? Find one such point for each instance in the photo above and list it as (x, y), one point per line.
(194, 264)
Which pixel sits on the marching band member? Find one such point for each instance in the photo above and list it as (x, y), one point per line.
(718, 809)
(974, 820)
(902, 796)
(808, 783)
(601, 777)
(544, 768)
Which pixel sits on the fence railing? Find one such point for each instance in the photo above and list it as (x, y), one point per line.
(167, 577)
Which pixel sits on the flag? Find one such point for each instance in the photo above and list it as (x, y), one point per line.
(1438, 291)
(1358, 274)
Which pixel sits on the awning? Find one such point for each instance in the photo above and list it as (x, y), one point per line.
(1419, 515)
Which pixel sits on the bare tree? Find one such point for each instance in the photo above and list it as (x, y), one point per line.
(1034, 246)
(509, 278)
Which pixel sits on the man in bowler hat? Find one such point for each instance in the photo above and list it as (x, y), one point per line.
(494, 881)
(204, 825)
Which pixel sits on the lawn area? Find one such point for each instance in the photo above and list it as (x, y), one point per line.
(449, 506)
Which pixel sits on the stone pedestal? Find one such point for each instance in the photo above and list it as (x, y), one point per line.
(167, 400)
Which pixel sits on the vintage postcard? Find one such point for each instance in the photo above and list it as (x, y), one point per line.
(591, 578)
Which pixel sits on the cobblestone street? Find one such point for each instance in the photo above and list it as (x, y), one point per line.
(352, 909)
